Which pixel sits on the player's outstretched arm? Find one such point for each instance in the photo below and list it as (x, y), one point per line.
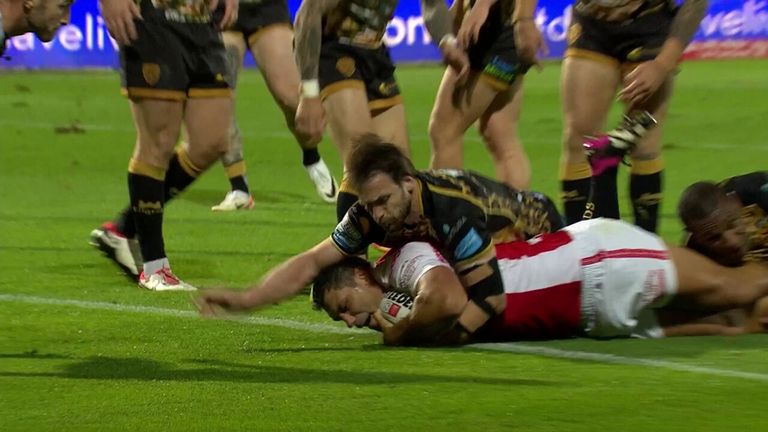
(439, 301)
(282, 282)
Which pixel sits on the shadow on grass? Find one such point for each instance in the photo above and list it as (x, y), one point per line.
(110, 368)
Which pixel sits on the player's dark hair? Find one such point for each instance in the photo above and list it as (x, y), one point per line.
(370, 155)
(335, 277)
(699, 201)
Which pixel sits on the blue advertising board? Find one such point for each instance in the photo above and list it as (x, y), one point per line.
(85, 42)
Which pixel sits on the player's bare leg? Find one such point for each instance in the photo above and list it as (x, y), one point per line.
(348, 117)
(453, 112)
(587, 88)
(647, 165)
(158, 124)
(239, 197)
(498, 126)
(272, 48)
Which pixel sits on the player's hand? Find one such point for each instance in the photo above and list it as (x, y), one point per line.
(643, 81)
(469, 32)
(458, 60)
(529, 42)
(310, 118)
(118, 16)
(230, 12)
(216, 302)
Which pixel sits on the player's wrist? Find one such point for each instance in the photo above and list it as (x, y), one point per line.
(448, 41)
(310, 88)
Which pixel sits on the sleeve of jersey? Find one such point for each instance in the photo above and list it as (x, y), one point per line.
(466, 237)
(412, 262)
(355, 232)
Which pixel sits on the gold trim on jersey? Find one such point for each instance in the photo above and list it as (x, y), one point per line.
(341, 85)
(346, 186)
(146, 93)
(255, 35)
(210, 93)
(479, 258)
(646, 167)
(591, 55)
(495, 83)
(237, 169)
(381, 104)
(484, 205)
(145, 169)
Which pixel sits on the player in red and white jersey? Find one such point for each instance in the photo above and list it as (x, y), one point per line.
(600, 278)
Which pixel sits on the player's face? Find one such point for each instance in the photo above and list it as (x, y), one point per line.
(722, 234)
(354, 305)
(46, 16)
(388, 202)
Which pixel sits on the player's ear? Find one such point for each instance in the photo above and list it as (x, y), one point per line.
(409, 183)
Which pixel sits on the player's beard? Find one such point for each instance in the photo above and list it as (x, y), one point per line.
(395, 223)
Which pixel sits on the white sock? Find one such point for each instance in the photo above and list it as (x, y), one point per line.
(152, 267)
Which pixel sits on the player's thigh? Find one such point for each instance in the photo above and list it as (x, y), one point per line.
(207, 121)
(273, 52)
(456, 108)
(157, 122)
(587, 90)
(391, 125)
(498, 123)
(347, 116)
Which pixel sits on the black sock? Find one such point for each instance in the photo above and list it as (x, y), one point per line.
(176, 180)
(645, 192)
(604, 195)
(146, 195)
(344, 201)
(239, 183)
(310, 156)
(574, 195)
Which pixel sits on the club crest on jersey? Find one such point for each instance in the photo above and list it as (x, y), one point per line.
(346, 66)
(151, 73)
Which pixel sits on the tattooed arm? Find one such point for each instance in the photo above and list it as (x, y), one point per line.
(649, 76)
(309, 33)
(683, 28)
(310, 116)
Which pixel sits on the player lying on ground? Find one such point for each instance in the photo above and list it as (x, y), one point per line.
(41, 17)
(460, 212)
(728, 221)
(602, 278)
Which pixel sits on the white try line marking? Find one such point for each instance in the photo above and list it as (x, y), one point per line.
(324, 328)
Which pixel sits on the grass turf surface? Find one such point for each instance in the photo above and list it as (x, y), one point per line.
(74, 355)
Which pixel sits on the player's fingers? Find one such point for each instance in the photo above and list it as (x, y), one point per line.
(118, 32)
(135, 10)
(213, 4)
(130, 30)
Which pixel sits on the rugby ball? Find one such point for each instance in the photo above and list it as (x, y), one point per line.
(395, 306)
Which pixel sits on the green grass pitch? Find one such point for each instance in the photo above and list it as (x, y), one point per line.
(82, 349)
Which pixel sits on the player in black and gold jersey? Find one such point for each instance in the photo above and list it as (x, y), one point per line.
(347, 72)
(502, 41)
(264, 28)
(459, 212)
(173, 70)
(41, 17)
(635, 46)
(728, 221)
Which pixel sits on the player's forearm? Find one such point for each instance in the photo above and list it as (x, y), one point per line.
(681, 32)
(283, 282)
(524, 10)
(437, 19)
(308, 35)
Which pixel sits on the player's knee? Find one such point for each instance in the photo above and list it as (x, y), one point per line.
(442, 134)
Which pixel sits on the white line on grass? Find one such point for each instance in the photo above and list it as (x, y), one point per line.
(151, 310)
(323, 328)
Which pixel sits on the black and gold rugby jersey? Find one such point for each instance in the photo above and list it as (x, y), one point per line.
(620, 10)
(360, 23)
(463, 214)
